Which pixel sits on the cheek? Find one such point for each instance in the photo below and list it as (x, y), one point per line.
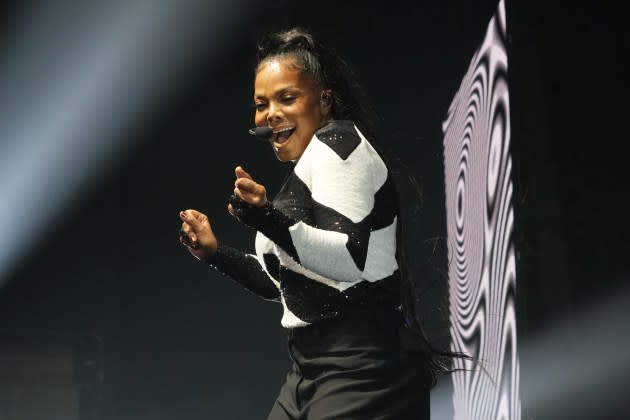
(305, 115)
(315, 115)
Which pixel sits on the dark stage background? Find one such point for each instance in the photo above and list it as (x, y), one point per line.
(107, 298)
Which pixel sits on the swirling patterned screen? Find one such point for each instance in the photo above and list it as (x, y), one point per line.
(480, 222)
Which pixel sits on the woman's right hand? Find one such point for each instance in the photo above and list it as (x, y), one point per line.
(196, 234)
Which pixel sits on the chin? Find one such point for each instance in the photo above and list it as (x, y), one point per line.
(284, 158)
(284, 155)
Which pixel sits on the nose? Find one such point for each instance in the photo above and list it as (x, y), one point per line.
(273, 115)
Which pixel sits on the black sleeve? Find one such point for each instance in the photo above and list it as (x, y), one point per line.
(275, 225)
(246, 270)
(268, 220)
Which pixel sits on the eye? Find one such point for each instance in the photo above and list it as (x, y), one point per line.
(288, 99)
(259, 106)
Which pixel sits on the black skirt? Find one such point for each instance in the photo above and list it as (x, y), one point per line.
(353, 367)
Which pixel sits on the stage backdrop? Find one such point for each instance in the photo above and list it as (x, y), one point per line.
(480, 222)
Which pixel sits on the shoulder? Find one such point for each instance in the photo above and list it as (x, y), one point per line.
(339, 151)
(341, 136)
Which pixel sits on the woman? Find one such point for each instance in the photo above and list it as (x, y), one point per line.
(326, 246)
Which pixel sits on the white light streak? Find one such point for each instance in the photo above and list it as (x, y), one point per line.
(75, 79)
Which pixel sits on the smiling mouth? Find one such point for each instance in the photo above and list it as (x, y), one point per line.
(281, 136)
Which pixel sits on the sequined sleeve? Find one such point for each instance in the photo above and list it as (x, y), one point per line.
(246, 270)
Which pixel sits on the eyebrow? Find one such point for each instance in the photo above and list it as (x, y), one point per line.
(279, 92)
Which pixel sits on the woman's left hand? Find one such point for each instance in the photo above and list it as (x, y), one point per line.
(248, 190)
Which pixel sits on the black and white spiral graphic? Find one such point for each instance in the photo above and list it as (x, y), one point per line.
(480, 222)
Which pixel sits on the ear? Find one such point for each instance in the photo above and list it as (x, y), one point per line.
(326, 102)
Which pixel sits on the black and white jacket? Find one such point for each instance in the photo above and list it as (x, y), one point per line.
(328, 239)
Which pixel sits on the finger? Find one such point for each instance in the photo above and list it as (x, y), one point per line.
(188, 231)
(254, 199)
(185, 228)
(192, 218)
(247, 185)
(241, 173)
(230, 209)
(187, 244)
(240, 194)
(183, 239)
(196, 215)
(187, 235)
(250, 197)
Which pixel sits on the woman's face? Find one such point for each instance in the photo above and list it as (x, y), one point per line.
(288, 101)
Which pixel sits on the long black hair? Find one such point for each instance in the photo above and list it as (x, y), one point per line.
(331, 72)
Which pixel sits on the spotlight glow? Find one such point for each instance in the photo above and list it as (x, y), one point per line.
(74, 80)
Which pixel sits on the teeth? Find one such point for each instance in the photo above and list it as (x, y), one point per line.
(283, 130)
(278, 134)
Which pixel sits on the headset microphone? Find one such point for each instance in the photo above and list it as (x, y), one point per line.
(262, 133)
